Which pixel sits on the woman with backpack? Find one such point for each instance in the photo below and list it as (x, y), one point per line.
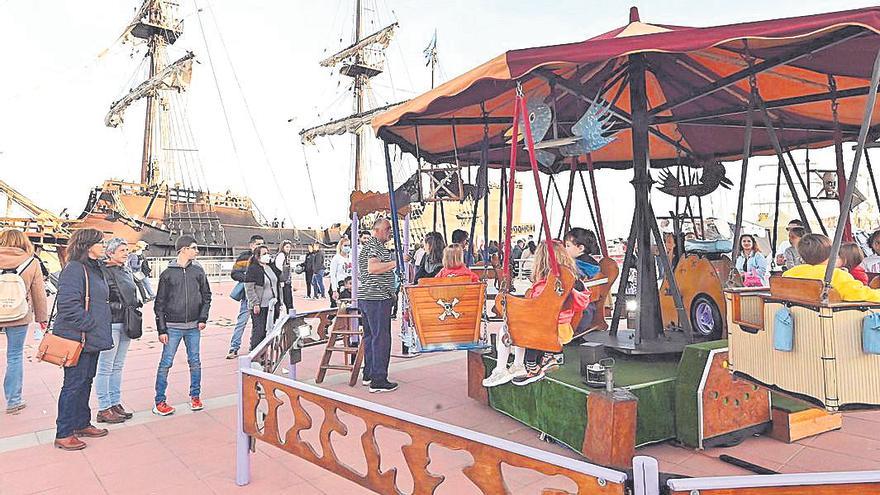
(126, 325)
(21, 282)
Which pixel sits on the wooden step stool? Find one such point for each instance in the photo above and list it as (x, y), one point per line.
(346, 325)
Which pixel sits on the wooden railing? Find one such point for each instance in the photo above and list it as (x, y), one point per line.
(279, 411)
(266, 397)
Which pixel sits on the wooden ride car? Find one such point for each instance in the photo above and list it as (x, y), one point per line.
(827, 364)
(447, 313)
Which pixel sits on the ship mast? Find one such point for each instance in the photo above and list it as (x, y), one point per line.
(359, 82)
(153, 25)
(362, 60)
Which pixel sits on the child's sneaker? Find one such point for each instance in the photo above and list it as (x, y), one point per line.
(517, 370)
(195, 404)
(552, 362)
(533, 374)
(163, 409)
(500, 375)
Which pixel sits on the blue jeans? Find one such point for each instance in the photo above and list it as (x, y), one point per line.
(191, 338)
(73, 401)
(108, 379)
(377, 338)
(240, 324)
(318, 284)
(15, 337)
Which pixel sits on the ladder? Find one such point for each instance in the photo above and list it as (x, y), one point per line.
(346, 326)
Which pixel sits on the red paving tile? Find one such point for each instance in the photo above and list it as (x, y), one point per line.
(195, 453)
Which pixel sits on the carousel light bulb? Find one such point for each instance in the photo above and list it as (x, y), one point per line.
(632, 305)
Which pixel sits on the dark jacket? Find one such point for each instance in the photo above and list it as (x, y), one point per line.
(123, 291)
(308, 268)
(317, 261)
(239, 268)
(183, 296)
(72, 318)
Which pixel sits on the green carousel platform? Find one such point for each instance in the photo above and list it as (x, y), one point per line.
(691, 398)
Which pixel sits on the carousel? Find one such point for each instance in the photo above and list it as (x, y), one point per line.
(680, 106)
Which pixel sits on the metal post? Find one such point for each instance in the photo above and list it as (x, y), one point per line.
(242, 440)
(846, 202)
(646, 475)
(649, 322)
(871, 176)
(404, 302)
(600, 227)
(774, 140)
(806, 188)
(747, 150)
(395, 221)
(355, 250)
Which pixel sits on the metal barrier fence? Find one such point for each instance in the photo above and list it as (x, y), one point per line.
(217, 268)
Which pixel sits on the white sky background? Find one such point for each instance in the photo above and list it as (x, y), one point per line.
(55, 90)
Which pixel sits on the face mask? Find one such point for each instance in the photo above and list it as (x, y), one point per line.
(346, 250)
(265, 259)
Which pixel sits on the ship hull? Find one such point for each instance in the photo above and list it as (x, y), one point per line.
(221, 224)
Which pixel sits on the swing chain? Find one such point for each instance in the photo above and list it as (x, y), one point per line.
(519, 89)
(832, 86)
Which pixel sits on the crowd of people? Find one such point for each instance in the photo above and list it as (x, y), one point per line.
(104, 284)
(97, 304)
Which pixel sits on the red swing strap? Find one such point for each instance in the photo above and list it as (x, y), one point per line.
(554, 265)
(511, 190)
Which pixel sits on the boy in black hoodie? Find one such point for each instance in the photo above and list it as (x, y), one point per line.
(183, 300)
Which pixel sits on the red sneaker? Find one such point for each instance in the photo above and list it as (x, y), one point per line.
(163, 409)
(195, 404)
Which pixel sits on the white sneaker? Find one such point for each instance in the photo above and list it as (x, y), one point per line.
(517, 370)
(499, 376)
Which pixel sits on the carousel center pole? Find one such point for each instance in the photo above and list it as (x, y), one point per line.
(648, 324)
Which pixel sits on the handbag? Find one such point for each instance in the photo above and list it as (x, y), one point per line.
(237, 292)
(133, 320)
(58, 350)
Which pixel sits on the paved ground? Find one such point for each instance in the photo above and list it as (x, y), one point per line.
(193, 452)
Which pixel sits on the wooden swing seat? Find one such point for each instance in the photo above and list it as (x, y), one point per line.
(826, 365)
(599, 294)
(534, 323)
(447, 312)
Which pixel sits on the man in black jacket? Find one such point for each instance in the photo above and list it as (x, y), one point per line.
(239, 269)
(182, 304)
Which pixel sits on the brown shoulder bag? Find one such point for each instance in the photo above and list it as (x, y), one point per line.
(60, 351)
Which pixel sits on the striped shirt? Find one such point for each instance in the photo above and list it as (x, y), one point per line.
(374, 287)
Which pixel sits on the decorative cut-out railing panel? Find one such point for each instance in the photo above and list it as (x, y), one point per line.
(270, 401)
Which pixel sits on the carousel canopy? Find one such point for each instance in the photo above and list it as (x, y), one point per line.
(698, 83)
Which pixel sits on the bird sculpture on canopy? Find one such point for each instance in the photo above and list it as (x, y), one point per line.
(712, 177)
(591, 132)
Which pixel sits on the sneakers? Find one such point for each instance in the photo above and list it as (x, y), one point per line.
(500, 375)
(163, 409)
(385, 386)
(233, 353)
(195, 404)
(16, 408)
(552, 361)
(517, 370)
(365, 381)
(533, 374)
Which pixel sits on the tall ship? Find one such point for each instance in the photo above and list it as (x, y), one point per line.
(171, 197)
(363, 59)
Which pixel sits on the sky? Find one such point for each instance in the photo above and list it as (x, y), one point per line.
(64, 67)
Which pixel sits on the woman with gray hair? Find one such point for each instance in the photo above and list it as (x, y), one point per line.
(123, 300)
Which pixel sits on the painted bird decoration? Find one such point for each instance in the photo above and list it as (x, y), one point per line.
(593, 131)
(712, 177)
